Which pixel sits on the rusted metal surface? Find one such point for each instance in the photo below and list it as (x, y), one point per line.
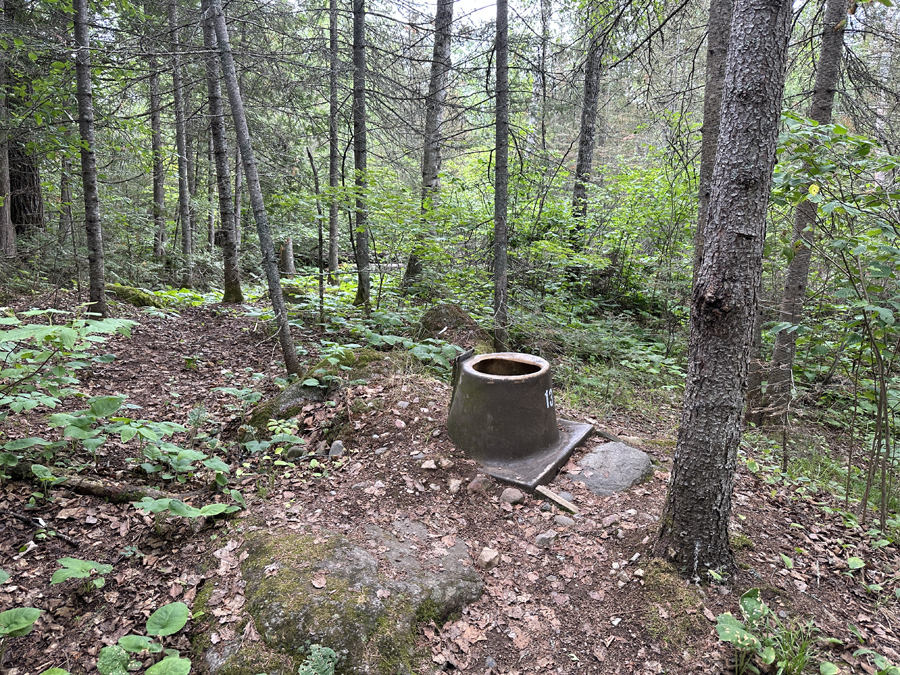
(502, 415)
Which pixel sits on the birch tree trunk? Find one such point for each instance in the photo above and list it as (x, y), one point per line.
(84, 97)
(501, 179)
(778, 391)
(159, 175)
(694, 525)
(266, 247)
(334, 152)
(360, 154)
(65, 199)
(184, 193)
(230, 252)
(434, 116)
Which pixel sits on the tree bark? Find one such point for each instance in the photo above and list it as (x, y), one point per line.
(360, 154)
(334, 152)
(159, 175)
(501, 179)
(238, 193)
(288, 268)
(210, 192)
(230, 252)
(7, 231)
(84, 97)
(694, 525)
(587, 134)
(266, 247)
(26, 192)
(718, 33)
(65, 199)
(184, 192)
(778, 390)
(434, 115)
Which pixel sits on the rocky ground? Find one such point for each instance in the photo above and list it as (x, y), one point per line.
(562, 593)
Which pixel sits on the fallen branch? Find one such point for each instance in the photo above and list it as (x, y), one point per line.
(39, 523)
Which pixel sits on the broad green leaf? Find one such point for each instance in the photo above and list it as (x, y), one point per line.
(216, 464)
(733, 631)
(239, 498)
(767, 655)
(213, 509)
(171, 665)
(105, 406)
(113, 661)
(752, 607)
(18, 621)
(4, 576)
(151, 505)
(168, 619)
(22, 443)
(828, 668)
(73, 568)
(135, 643)
(179, 508)
(78, 433)
(41, 471)
(56, 671)
(788, 562)
(855, 563)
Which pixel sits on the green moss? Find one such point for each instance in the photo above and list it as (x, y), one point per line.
(135, 296)
(741, 542)
(665, 590)
(254, 658)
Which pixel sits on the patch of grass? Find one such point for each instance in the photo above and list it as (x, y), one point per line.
(670, 605)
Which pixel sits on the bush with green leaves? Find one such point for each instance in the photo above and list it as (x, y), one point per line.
(176, 507)
(763, 640)
(122, 657)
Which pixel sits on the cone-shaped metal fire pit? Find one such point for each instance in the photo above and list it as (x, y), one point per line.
(502, 415)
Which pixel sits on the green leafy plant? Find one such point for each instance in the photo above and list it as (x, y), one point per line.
(176, 507)
(15, 622)
(764, 641)
(320, 661)
(120, 658)
(74, 568)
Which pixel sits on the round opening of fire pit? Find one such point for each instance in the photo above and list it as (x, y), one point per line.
(505, 367)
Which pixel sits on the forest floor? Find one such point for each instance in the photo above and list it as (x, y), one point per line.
(591, 603)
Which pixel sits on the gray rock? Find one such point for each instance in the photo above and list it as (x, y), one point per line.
(564, 521)
(380, 451)
(568, 496)
(490, 663)
(337, 449)
(479, 484)
(545, 539)
(488, 559)
(546, 506)
(363, 605)
(613, 467)
(611, 520)
(512, 496)
(295, 451)
(402, 404)
(429, 465)
(454, 485)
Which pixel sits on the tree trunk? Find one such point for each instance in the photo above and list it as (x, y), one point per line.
(434, 114)
(334, 152)
(694, 525)
(501, 179)
(238, 193)
(588, 131)
(65, 199)
(242, 132)
(184, 192)
(26, 193)
(210, 192)
(192, 154)
(84, 96)
(288, 268)
(7, 231)
(159, 174)
(230, 252)
(360, 153)
(717, 36)
(778, 390)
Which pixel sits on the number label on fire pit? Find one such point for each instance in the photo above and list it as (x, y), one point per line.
(548, 396)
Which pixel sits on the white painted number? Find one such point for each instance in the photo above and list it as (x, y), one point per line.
(548, 396)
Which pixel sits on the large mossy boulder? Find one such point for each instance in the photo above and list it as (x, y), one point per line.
(308, 589)
(135, 296)
(451, 323)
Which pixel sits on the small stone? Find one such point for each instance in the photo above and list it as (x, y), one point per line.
(402, 404)
(337, 449)
(380, 451)
(568, 496)
(616, 621)
(436, 433)
(545, 539)
(418, 455)
(633, 441)
(295, 451)
(512, 496)
(488, 559)
(623, 576)
(546, 506)
(454, 486)
(564, 521)
(429, 465)
(479, 484)
(631, 513)
(435, 487)
(639, 573)
(723, 590)
(610, 520)
(445, 463)
(490, 663)
(400, 424)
